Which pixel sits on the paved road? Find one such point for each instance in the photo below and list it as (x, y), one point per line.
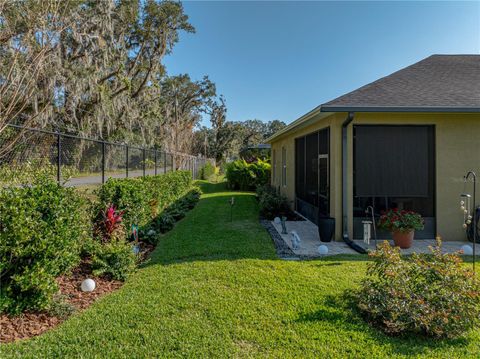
(97, 178)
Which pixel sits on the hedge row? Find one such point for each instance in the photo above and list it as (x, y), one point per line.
(142, 199)
(42, 229)
(45, 229)
(247, 176)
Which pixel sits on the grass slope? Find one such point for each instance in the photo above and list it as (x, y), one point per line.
(214, 288)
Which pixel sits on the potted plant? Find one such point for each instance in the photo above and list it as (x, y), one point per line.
(402, 224)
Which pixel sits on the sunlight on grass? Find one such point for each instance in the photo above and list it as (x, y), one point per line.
(214, 288)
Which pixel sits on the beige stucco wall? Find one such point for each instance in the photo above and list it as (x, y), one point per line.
(457, 144)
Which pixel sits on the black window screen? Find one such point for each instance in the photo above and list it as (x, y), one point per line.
(311, 169)
(323, 141)
(274, 169)
(300, 167)
(393, 161)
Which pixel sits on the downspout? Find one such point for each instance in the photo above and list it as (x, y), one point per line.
(345, 236)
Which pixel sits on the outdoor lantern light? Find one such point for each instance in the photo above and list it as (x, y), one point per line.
(88, 285)
(323, 249)
(277, 220)
(467, 250)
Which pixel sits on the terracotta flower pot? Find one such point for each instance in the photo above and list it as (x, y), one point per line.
(403, 240)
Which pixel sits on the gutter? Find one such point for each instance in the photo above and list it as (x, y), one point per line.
(345, 236)
(415, 109)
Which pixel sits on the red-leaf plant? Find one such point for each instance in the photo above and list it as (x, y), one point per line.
(112, 224)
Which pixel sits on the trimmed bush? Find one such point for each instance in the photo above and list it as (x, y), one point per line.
(143, 199)
(176, 211)
(42, 230)
(114, 259)
(164, 222)
(247, 176)
(427, 294)
(207, 171)
(272, 204)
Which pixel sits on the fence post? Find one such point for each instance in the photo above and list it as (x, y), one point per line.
(103, 161)
(155, 156)
(126, 160)
(59, 158)
(144, 158)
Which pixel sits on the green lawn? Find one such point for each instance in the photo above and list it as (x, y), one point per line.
(214, 288)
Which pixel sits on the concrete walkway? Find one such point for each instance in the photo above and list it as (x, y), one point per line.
(310, 241)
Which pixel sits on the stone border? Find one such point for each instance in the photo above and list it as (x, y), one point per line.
(282, 249)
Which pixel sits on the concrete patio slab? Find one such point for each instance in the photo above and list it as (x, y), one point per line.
(310, 241)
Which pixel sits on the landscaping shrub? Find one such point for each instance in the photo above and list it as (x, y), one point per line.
(247, 176)
(114, 259)
(42, 230)
(142, 199)
(428, 294)
(166, 220)
(271, 203)
(207, 171)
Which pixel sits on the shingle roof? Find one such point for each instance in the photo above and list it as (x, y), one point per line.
(437, 83)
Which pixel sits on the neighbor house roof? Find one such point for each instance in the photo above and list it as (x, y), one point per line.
(439, 83)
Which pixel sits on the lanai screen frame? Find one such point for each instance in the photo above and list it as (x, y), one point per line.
(303, 204)
(431, 221)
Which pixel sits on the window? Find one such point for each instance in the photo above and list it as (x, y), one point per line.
(274, 165)
(284, 167)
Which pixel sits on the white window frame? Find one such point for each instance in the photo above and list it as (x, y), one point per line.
(284, 166)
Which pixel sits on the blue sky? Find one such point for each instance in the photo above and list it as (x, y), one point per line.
(278, 60)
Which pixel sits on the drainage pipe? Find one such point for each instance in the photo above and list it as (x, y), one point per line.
(345, 236)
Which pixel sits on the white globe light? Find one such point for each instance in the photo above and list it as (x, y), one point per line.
(277, 220)
(467, 250)
(323, 249)
(88, 285)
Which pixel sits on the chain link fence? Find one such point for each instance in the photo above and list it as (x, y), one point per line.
(78, 161)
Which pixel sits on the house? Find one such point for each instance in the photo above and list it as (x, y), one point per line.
(404, 141)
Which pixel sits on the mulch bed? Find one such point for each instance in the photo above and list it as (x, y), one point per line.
(30, 324)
